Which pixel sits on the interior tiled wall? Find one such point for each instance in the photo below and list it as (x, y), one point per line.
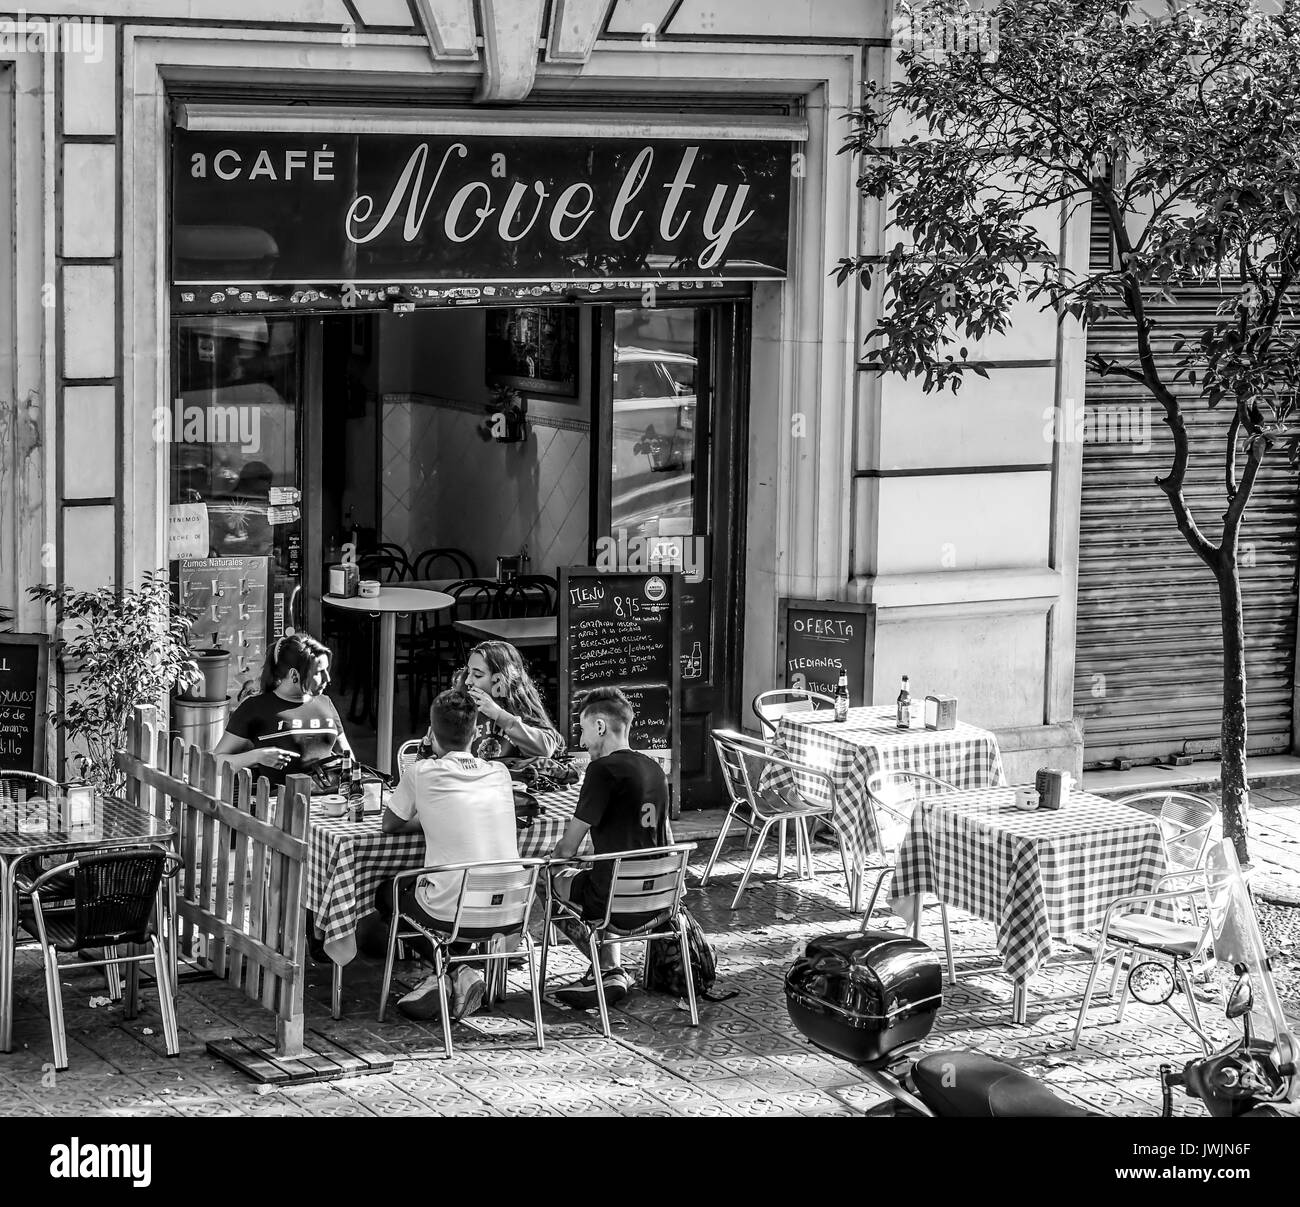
(444, 485)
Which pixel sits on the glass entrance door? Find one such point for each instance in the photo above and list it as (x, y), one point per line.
(669, 477)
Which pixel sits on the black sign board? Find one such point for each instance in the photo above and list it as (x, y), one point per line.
(621, 629)
(281, 208)
(819, 638)
(24, 662)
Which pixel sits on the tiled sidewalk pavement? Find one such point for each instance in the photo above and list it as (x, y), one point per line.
(745, 1059)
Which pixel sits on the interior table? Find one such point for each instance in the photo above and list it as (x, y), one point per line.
(109, 823)
(349, 860)
(1037, 875)
(520, 631)
(869, 741)
(390, 601)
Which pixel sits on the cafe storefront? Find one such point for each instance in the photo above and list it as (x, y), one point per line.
(438, 332)
(289, 276)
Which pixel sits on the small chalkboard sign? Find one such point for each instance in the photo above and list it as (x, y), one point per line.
(621, 629)
(24, 663)
(820, 637)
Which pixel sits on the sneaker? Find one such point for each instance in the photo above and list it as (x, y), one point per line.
(582, 996)
(467, 989)
(422, 1003)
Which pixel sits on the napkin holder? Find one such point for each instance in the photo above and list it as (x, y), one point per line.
(1053, 787)
(941, 712)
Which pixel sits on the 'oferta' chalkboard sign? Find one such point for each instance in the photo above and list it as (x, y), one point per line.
(819, 638)
(621, 629)
(23, 665)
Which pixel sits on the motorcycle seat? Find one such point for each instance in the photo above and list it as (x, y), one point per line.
(969, 1085)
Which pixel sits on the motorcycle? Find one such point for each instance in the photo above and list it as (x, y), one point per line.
(871, 998)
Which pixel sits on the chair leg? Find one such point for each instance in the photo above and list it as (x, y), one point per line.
(1181, 972)
(753, 859)
(947, 943)
(113, 976)
(444, 1005)
(389, 956)
(600, 985)
(1097, 962)
(132, 989)
(1114, 976)
(717, 847)
(780, 849)
(688, 971)
(535, 986)
(54, 992)
(1129, 960)
(875, 894)
(802, 852)
(166, 1001)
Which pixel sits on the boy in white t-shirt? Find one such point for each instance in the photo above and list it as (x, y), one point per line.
(465, 806)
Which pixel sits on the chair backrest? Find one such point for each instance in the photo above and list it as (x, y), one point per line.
(407, 753)
(385, 566)
(1186, 823)
(770, 706)
(893, 796)
(430, 562)
(476, 598)
(647, 883)
(114, 894)
(753, 772)
(19, 786)
(528, 595)
(495, 896)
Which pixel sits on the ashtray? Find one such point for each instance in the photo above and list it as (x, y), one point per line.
(333, 804)
(1026, 799)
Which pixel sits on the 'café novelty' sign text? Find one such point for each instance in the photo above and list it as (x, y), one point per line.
(394, 207)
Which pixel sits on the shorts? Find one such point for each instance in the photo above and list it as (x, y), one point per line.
(574, 886)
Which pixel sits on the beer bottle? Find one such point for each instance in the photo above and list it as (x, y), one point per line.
(904, 706)
(842, 697)
(356, 793)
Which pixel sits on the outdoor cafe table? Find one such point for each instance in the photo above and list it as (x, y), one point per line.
(110, 823)
(349, 860)
(1037, 875)
(520, 631)
(869, 741)
(387, 604)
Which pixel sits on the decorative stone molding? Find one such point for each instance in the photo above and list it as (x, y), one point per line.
(449, 26)
(512, 30)
(575, 26)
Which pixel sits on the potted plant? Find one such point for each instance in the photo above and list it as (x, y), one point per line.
(507, 417)
(124, 648)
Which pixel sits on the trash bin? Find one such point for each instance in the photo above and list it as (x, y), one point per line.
(201, 722)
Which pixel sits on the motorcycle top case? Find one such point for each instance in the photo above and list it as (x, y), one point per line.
(864, 995)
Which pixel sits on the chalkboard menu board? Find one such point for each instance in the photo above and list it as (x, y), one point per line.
(819, 638)
(24, 660)
(621, 629)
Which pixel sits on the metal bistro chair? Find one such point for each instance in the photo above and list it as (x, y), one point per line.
(428, 564)
(495, 899)
(1128, 929)
(115, 899)
(645, 903)
(770, 706)
(774, 801)
(893, 798)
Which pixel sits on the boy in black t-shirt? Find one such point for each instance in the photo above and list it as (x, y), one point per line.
(624, 805)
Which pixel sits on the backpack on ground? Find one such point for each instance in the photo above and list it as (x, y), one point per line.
(666, 975)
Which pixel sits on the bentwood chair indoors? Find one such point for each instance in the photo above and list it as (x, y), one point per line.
(646, 894)
(770, 706)
(443, 562)
(493, 905)
(893, 797)
(116, 901)
(768, 790)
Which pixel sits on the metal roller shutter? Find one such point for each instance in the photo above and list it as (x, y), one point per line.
(1148, 670)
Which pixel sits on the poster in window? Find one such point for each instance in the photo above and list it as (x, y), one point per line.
(534, 349)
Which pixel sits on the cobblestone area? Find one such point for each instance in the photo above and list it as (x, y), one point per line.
(745, 1059)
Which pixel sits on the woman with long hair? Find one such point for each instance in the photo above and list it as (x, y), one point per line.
(512, 719)
(290, 723)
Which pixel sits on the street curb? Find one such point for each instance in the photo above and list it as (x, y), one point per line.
(1276, 890)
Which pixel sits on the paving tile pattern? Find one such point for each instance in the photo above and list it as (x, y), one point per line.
(745, 1059)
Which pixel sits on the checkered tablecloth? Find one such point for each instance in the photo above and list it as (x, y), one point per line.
(350, 860)
(1037, 876)
(870, 741)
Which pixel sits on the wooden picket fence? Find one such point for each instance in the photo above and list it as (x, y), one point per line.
(242, 882)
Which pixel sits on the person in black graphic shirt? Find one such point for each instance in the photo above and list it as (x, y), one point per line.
(289, 723)
(623, 804)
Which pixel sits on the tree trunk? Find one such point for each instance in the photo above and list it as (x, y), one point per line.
(1235, 796)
